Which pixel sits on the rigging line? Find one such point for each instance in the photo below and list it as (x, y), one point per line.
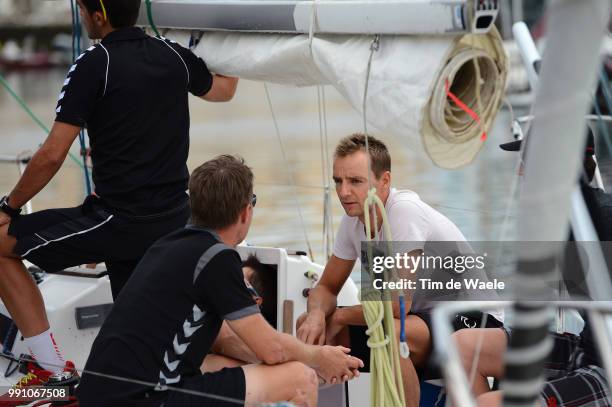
(503, 234)
(76, 50)
(374, 46)
(133, 381)
(475, 211)
(72, 12)
(327, 205)
(322, 131)
(150, 17)
(327, 162)
(311, 28)
(504, 231)
(510, 205)
(478, 84)
(510, 110)
(325, 175)
(289, 171)
(30, 113)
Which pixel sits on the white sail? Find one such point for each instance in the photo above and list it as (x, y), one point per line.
(407, 83)
(407, 94)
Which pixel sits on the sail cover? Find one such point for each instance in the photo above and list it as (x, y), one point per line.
(409, 80)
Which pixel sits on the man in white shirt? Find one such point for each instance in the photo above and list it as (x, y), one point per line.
(411, 220)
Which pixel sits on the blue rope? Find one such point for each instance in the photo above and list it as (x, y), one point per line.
(402, 305)
(76, 51)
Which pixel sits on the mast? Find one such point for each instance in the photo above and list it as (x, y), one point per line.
(562, 100)
(332, 17)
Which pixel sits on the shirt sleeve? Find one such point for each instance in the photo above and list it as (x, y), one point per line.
(84, 85)
(344, 247)
(200, 78)
(222, 289)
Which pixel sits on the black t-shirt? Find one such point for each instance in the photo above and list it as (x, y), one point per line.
(130, 91)
(166, 319)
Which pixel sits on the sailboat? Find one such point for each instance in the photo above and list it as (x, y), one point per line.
(442, 38)
(453, 43)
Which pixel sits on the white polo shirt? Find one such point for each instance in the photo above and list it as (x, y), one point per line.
(411, 220)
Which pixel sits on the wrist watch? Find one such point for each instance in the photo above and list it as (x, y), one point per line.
(4, 207)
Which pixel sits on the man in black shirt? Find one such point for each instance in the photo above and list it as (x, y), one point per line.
(151, 346)
(131, 92)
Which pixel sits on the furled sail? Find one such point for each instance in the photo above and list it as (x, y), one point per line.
(425, 89)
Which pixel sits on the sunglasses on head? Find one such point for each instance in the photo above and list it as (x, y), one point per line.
(254, 200)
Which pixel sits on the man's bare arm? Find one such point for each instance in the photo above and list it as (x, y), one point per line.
(230, 345)
(223, 89)
(332, 363)
(322, 300)
(324, 296)
(44, 164)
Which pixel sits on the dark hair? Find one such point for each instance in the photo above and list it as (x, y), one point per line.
(120, 13)
(589, 166)
(263, 281)
(219, 190)
(379, 155)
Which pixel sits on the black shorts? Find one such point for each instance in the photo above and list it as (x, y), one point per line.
(116, 378)
(224, 389)
(55, 239)
(359, 346)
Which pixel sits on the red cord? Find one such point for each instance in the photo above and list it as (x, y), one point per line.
(465, 108)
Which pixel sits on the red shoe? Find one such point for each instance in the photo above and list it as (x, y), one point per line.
(38, 377)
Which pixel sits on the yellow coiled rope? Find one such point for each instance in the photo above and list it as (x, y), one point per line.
(387, 389)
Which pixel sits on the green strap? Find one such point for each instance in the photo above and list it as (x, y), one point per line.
(150, 17)
(25, 107)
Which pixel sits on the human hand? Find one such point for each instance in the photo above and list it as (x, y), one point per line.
(334, 364)
(4, 219)
(311, 328)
